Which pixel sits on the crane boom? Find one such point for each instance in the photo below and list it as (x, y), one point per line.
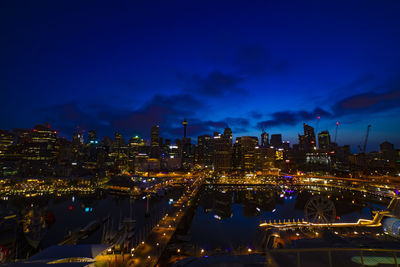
(366, 139)
(337, 125)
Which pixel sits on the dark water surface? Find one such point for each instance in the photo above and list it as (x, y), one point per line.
(229, 217)
(73, 212)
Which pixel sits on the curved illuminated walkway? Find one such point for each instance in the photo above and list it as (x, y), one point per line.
(375, 222)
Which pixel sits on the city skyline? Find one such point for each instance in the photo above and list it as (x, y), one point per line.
(198, 133)
(85, 136)
(139, 65)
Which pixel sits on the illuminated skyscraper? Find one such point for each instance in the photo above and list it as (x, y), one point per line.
(136, 145)
(155, 136)
(228, 135)
(119, 145)
(237, 155)
(223, 151)
(205, 150)
(92, 137)
(41, 145)
(264, 139)
(309, 138)
(77, 139)
(6, 142)
(92, 145)
(324, 140)
(155, 142)
(248, 145)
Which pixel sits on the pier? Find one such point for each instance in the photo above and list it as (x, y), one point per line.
(148, 252)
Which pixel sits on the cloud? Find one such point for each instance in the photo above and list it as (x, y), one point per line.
(168, 111)
(364, 103)
(215, 84)
(292, 117)
(369, 102)
(160, 109)
(70, 117)
(165, 111)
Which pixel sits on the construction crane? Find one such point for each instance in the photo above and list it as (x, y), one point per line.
(366, 139)
(362, 150)
(337, 125)
(318, 119)
(316, 130)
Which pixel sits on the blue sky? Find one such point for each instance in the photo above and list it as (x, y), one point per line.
(266, 64)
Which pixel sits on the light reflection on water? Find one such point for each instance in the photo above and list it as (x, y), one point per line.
(73, 212)
(229, 218)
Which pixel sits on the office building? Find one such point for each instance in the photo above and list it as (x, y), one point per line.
(324, 141)
(276, 140)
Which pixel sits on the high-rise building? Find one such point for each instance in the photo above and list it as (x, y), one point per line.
(237, 155)
(222, 152)
(92, 146)
(119, 145)
(286, 145)
(6, 143)
(92, 137)
(136, 145)
(155, 136)
(155, 142)
(119, 141)
(264, 140)
(276, 140)
(260, 158)
(41, 145)
(77, 139)
(188, 154)
(205, 149)
(387, 150)
(309, 138)
(228, 135)
(324, 140)
(248, 145)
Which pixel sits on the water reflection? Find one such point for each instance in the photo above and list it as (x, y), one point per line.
(231, 216)
(39, 222)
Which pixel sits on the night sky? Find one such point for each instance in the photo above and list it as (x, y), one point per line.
(270, 64)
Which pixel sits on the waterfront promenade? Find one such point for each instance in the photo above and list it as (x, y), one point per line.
(148, 252)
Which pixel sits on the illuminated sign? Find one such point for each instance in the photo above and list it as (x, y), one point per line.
(279, 155)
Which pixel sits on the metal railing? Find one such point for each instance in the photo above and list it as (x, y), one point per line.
(358, 256)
